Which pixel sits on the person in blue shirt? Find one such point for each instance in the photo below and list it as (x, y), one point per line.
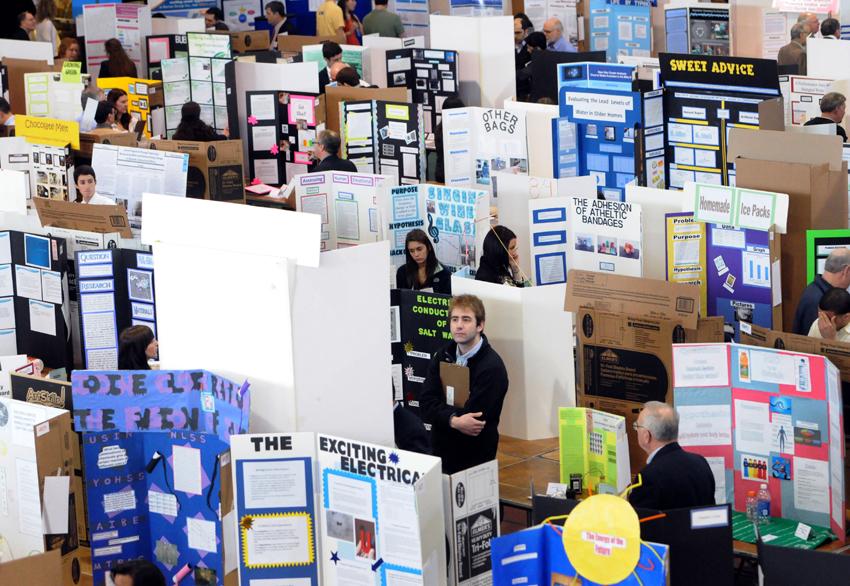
(555, 39)
(836, 273)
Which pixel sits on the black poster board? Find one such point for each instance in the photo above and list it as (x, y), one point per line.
(429, 74)
(544, 70)
(170, 45)
(419, 329)
(38, 271)
(42, 391)
(787, 566)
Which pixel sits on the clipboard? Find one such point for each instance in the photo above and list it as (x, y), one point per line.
(455, 381)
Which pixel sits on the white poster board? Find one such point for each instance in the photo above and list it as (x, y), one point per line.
(50, 97)
(532, 333)
(129, 23)
(801, 98)
(827, 58)
(605, 236)
(538, 125)
(655, 204)
(33, 50)
(381, 511)
(14, 187)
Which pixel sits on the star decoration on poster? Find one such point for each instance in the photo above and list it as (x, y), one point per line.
(274, 150)
(334, 557)
(408, 347)
(394, 457)
(247, 523)
(252, 120)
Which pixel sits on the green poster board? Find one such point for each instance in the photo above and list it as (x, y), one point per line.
(819, 243)
(351, 54)
(594, 448)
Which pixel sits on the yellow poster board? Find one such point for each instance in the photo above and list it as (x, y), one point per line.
(686, 262)
(139, 95)
(48, 131)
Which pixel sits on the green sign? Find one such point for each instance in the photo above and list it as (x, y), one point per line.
(72, 72)
(819, 243)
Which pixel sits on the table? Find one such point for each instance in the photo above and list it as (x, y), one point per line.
(268, 201)
(526, 466)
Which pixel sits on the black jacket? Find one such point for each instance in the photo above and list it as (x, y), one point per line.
(675, 479)
(439, 282)
(410, 432)
(488, 385)
(491, 273)
(818, 120)
(324, 79)
(104, 70)
(807, 308)
(334, 163)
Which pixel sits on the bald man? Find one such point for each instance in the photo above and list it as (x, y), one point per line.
(555, 40)
(672, 478)
(836, 273)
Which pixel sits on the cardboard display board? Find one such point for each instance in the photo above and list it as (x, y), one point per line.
(766, 416)
(540, 12)
(33, 298)
(125, 173)
(378, 46)
(698, 30)
(605, 236)
(143, 95)
(283, 127)
(43, 569)
(215, 168)
(248, 41)
(819, 243)
(275, 497)
(381, 512)
(454, 219)
(334, 95)
(161, 47)
(620, 29)
(481, 141)
(50, 95)
(471, 506)
(347, 204)
(68, 215)
(116, 291)
(386, 138)
(203, 77)
(17, 68)
(530, 332)
(707, 97)
(430, 75)
(594, 451)
(619, 132)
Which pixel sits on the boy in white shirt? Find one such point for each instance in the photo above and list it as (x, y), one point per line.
(86, 182)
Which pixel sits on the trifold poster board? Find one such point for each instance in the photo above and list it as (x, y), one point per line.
(762, 415)
(549, 228)
(52, 96)
(456, 220)
(419, 330)
(379, 46)
(125, 173)
(215, 168)
(42, 452)
(698, 29)
(161, 47)
(153, 444)
(594, 451)
(116, 291)
(826, 59)
(52, 172)
(203, 77)
(484, 46)
(381, 514)
(686, 257)
(528, 329)
(539, 124)
(275, 497)
(282, 128)
(801, 97)
(353, 55)
(384, 137)
(481, 141)
(705, 97)
(129, 23)
(347, 203)
(142, 96)
(430, 75)
(655, 205)
(471, 507)
(33, 299)
(335, 95)
(614, 125)
(819, 243)
(620, 28)
(624, 326)
(605, 235)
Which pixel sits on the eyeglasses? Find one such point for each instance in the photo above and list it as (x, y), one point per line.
(636, 427)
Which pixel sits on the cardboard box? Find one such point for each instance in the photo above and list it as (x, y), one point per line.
(16, 70)
(105, 136)
(43, 569)
(243, 41)
(216, 171)
(103, 219)
(336, 94)
(294, 43)
(810, 170)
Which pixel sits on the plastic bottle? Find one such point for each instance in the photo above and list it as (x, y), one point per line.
(763, 504)
(745, 366)
(751, 506)
(746, 468)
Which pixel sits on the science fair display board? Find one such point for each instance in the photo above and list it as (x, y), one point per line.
(384, 137)
(620, 28)
(161, 47)
(594, 451)
(125, 173)
(347, 202)
(819, 243)
(381, 514)
(53, 95)
(140, 95)
(275, 508)
(430, 75)
(698, 30)
(455, 219)
(471, 506)
(761, 415)
(419, 325)
(353, 55)
(614, 124)
(549, 244)
(282, 128)
(686, 262)
(801, 97)
(704, 98)
(481, 141)
(129, 23)
(116, 291)
(605, 236)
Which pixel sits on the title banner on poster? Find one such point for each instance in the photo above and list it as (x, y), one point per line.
(741, 208)
(49, 131)
(729, 73)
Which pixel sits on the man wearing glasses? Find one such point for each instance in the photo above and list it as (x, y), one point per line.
(672, 477)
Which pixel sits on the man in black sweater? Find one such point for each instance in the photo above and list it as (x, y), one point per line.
(672, 477)
(836, 273)
(469, 435)
(326, 151)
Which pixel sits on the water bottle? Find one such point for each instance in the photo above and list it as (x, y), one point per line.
(763, 504)
(751, 506)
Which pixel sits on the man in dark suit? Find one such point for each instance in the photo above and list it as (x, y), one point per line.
(326, 151)
(26, 24)
(332, 53)
(794, 53)
(672, 477)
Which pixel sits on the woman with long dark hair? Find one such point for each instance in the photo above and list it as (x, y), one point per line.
(352, 23)
(136, 345)
(500, 261)
(191, 126)
(421, 270)
(118, 63)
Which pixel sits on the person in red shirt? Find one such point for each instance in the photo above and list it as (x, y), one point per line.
(353, 28)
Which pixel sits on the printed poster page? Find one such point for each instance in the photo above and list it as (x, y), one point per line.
(605, 236)
(275, 501)
(371, 532)
(405, 211)
(456, 221)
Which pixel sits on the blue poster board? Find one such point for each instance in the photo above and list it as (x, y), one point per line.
(620, 27)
